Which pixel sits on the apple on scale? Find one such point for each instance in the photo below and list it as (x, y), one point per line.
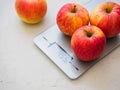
(88, 43)
(70, 17)
(107, 17)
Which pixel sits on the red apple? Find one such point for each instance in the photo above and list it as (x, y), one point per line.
(88, 43)
(107, 17)
(31, 11)
(70, 17)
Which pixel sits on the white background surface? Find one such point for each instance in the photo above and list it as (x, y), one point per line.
(24, 67)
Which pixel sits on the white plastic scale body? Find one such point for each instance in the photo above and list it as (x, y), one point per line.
(57, 47)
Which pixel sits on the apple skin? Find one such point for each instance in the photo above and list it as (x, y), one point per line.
(31, 11)
(107, 17)
(70, 17)
(88, 43)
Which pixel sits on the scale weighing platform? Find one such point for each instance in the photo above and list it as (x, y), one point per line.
(57, 47)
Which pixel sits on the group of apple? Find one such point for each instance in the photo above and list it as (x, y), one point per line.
(88, 32)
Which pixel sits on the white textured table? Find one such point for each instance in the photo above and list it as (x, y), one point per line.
(24, 67)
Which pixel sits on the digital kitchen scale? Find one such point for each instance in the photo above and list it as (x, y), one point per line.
(57, 47)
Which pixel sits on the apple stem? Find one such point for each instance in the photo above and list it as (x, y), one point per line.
(108, 10)
(74, 9)
(89, 34)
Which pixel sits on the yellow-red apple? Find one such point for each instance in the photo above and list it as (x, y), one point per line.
(31, 11)
(107, 17)
(88, 43)
(70, 17)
